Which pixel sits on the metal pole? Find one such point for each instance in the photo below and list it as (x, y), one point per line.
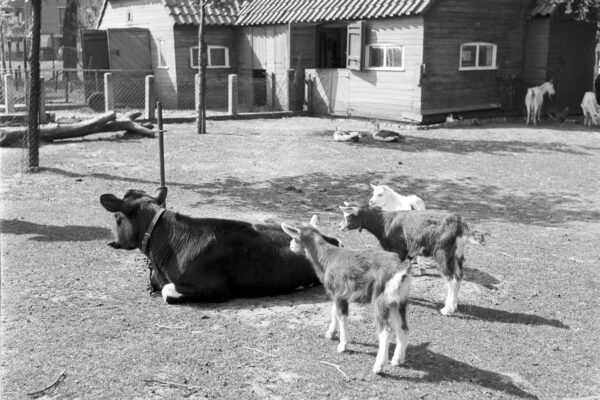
(161, 146)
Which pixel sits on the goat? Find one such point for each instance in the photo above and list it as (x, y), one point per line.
(386, 198)
(359, 275)
(429, 233)
(534, 100)
(591, 110)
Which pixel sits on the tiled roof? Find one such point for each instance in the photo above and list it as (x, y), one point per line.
(545, 7)
(284, 11)
(185, 12)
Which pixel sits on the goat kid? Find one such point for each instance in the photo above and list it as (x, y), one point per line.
(591, 109)
(535, 98)
(359, 275)
(389, 200)
(429, 233)
(386, 198)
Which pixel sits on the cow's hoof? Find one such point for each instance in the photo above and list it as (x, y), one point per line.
(341, 347)
(170, 295)
(377, 368)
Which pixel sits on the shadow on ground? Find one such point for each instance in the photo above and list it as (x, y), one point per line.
(316, 192)
(53, 233)
(440, 368)
(472, 312)
(454, 146)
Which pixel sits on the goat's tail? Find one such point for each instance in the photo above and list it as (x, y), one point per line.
(450, 230)
(397, 289)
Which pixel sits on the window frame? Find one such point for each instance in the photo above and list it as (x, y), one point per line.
(478, 45)
(385, 47)
(160, 46)
(194, 59)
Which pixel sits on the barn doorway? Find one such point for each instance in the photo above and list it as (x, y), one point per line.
(331, 45)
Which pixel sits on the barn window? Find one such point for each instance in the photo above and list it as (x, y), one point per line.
(216, 57)
(476, 56)
(385, 56)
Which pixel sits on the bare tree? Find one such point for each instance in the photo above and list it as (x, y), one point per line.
(586, 10)
(69, 49)
(225, 6)
(33, 129)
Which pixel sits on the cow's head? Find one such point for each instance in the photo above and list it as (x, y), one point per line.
(133, 214)
(352, 219)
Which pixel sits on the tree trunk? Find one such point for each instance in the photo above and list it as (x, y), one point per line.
(201, 106)
(107, 122)
(70, 38)
(33, 133)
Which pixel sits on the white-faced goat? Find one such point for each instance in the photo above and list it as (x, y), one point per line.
(430, 233)
(591, 110)
(534, 100)
(359, 275)
(386, 198)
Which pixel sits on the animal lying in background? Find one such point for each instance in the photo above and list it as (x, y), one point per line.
(534, 100)
(591, 109)
(386, 135)
(386, 198)
(429, 233)
(340, 135)
(206, 259)
(359, 275)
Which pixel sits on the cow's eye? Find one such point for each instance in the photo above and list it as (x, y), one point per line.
(118, 218)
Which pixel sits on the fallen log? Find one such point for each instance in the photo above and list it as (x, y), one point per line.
(107, 122)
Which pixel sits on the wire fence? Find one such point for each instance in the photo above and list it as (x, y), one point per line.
(72, 89)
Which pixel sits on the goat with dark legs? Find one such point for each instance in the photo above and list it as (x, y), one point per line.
(429, 233)
(359, 275)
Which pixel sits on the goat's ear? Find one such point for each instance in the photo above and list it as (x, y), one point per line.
(314, 220)
(290, 231)
(373, 186)
(111, 202)
(161, 195)
(349, 210)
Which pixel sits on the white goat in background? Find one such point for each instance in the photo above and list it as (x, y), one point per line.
(386, 198)
(591, 109)
(534, 100)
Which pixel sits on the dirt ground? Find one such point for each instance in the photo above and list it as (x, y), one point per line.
(76, 314)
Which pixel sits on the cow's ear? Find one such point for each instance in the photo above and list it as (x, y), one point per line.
(291, 231)
(161, 195)
(314, 220)
(349, 210)
(111, 202)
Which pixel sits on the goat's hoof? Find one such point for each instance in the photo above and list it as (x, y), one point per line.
(341, 347)
(377, 368)
(329, 335)
(447, 311)
(397, 362)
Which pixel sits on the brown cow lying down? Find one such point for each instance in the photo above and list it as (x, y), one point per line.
(206, 259)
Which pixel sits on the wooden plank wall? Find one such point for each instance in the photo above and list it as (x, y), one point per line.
(571, 56)
(450, 23)
(187, 37)
(390, 94)
(263, 47)
(149, 14)
(535, 66)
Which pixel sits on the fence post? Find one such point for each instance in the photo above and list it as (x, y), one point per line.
(310, 83)
(149, 99)
(9, 94)
(232, 94)
(291, 90)
(270, 89)
(109, 100)
(42, 104)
